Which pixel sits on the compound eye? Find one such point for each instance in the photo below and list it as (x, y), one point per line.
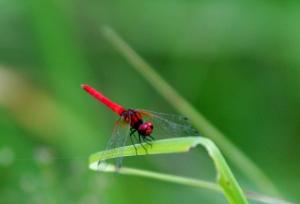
(150, 125)
(146, 128)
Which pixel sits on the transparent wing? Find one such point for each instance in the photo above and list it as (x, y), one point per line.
(119, 138)
(169, 125)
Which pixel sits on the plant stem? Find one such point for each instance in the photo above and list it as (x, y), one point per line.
(165, 177)
(190, 182)
(171, 178)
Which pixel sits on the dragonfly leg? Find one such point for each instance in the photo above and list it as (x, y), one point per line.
(132, 131)
(151, 137)
(140, 140)
(133, 145)
(147, 141)
(132, 135)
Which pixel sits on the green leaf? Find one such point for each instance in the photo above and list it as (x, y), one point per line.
(225, 178)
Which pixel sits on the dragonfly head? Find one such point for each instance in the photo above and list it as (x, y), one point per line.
(146, 128)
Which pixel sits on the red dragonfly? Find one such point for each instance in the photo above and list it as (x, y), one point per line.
(141, 126)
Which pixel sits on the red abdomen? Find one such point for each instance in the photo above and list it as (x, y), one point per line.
(100, 97)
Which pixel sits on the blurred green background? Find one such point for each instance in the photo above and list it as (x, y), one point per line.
(237, 62)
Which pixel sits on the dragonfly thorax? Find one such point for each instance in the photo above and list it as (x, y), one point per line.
(136, 122)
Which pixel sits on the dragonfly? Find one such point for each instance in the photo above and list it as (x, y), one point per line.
(140, 126)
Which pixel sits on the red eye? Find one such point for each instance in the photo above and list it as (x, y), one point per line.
(146, 128)
(150, 125)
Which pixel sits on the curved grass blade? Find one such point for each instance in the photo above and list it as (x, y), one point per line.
(187, 181)
(244, 163)
(225, 178)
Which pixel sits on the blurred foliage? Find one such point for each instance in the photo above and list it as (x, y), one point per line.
(235, 61)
